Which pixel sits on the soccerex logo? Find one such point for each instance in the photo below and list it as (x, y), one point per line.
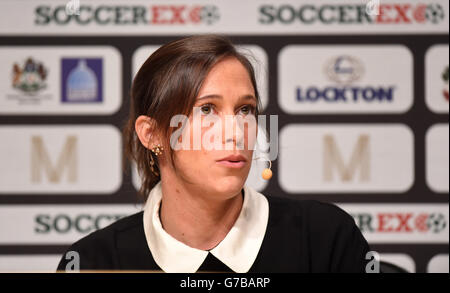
(373, 12)
(132, 15)
(65, 223)
(388, 222)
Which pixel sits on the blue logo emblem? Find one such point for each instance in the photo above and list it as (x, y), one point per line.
(82, 80)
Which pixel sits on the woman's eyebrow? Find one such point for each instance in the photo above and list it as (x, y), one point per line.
(214, 96)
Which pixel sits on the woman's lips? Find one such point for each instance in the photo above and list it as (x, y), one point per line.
(232, 164)
(233, 161)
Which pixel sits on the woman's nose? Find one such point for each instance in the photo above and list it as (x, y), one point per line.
(233, 132)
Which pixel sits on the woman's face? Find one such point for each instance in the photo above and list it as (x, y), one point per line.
(222, 132)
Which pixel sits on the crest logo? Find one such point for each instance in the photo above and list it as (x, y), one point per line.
(30, 77)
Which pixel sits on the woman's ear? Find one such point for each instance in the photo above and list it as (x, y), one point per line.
(145, 130)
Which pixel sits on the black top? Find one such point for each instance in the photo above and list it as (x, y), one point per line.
(301, 236)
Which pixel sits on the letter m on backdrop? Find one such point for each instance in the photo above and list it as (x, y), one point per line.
(41, 162)
(359, 160)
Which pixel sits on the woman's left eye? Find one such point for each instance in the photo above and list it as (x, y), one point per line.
(247, 109)
(206, 109)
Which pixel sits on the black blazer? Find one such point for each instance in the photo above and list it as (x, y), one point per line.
(301, 236)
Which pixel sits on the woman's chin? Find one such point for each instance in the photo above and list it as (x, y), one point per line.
(229, 185)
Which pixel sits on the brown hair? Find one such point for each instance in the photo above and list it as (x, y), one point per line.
(167, 84)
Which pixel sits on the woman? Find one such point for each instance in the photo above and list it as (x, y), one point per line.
(199, 215)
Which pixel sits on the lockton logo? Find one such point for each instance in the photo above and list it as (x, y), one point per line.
(128, 15)
(396, 14)
(82, 80)
(345, 70)
(29, 77)
(445, 80)
(345, 79)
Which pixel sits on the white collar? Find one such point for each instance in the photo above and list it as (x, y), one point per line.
(238, 250)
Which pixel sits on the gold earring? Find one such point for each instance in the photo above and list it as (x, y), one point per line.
(157, 149)
(152, 166)
(267, 173)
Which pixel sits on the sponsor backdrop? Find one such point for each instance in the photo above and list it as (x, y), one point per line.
(360, 89)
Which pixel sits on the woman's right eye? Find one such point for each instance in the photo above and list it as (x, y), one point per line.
(206, 109)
